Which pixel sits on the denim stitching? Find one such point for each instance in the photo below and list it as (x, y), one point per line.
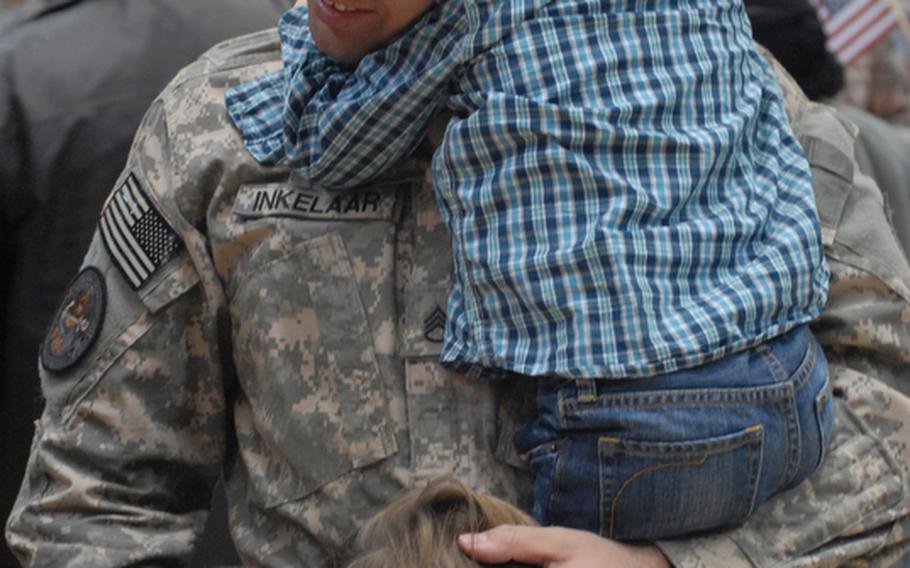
(806, 368)
(606, 489)
(558, 450)
(800, 379)
(641, 472)
(647, 399)
(794, 441)
(586, 389)
(754, 435)
(756, 472)
(663, 398)
(782, 394)
(774, 365)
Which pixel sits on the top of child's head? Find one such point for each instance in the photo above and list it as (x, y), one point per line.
(421, 528)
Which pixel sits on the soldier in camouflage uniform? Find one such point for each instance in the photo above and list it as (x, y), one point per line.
(234, 318)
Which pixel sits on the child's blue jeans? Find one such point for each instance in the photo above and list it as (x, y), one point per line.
(681, 452)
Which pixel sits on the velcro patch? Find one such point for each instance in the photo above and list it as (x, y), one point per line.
(276, 199)
(77, 323)
(137, 237)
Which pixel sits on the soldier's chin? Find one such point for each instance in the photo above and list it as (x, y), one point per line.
(346, 47)
(347, 56)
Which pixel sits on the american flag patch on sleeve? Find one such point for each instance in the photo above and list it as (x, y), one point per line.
(137, 237)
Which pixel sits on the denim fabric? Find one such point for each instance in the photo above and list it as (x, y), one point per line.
(681, 452)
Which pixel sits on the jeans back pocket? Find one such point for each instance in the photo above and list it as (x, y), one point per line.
(657, 489)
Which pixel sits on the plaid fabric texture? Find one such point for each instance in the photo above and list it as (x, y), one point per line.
(624, 194)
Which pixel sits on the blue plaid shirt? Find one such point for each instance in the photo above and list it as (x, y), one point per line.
(624, 194)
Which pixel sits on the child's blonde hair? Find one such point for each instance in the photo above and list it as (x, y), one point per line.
(420, 529)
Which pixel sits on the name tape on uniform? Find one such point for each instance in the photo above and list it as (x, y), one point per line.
(277, 199)
(135, 234)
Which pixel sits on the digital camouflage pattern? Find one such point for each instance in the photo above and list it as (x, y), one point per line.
(292, 344)
(284, 316)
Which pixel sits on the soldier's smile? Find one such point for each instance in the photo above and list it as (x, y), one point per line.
(346, 30)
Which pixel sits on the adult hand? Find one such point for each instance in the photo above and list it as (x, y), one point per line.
(556, 547)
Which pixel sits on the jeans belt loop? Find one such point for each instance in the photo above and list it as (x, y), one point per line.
(587, 390)
(773, 364)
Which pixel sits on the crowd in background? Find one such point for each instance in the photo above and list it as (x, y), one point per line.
(76, 76)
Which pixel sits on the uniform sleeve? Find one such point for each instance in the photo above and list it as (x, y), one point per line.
(132, 436)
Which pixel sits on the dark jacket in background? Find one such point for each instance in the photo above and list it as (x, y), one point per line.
(75, 80)
(792, 32)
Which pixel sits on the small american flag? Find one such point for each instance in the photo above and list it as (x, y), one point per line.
(854, 27)
(136, 235)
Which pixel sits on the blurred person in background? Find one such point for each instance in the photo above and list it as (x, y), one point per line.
(879, 82)
(4, 4)
(7, 13)
(792, 31)
(76, 77)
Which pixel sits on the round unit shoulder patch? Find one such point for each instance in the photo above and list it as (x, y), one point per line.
(77, 323)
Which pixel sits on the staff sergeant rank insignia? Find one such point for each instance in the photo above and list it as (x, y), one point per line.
(434, 325)
(77, 322)
(135, 234)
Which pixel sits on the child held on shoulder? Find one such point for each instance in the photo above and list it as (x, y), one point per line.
(632, 224)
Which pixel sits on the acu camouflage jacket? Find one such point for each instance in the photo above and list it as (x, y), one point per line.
(287, 336)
